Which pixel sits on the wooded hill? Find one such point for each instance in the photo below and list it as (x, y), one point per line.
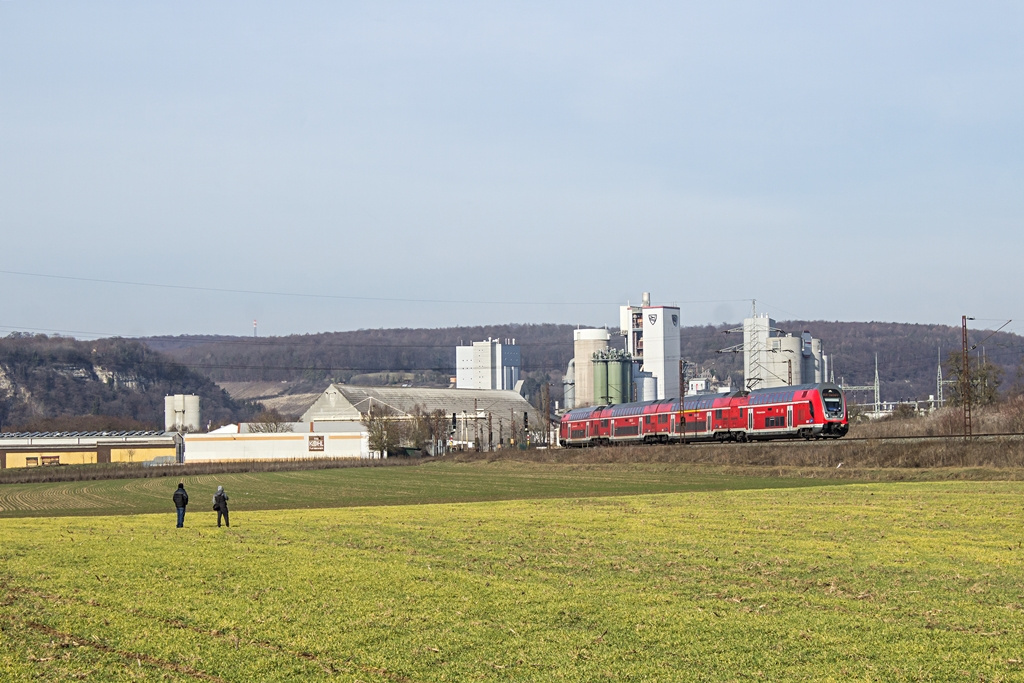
(57, 383)
(60, 384)
(908, 355)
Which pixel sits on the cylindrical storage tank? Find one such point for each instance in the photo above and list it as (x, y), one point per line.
(627, 381)
(191, 418)
(618, 381)
(181, 413)
(646, 387)
(601, 382)
(569, 386)
(171, 413)
(585, 343)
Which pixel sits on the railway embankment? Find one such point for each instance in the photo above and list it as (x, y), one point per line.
(894, 458)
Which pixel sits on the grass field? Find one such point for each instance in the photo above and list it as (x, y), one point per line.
(918, 581)
(430, 483)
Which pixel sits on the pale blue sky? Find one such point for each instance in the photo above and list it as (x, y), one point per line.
(853, 162)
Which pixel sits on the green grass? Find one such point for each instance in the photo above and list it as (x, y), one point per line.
(428, 483)
(918, 581)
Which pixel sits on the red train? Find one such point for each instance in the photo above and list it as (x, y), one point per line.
(806, 411)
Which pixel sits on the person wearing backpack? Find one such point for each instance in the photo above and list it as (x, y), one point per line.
(180, 499)
(220, 504)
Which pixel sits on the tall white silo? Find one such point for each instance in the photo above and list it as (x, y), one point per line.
(181, 413)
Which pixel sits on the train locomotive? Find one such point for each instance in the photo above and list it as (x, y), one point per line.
(809, 411)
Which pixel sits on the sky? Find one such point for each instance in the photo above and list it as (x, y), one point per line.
(189, 167)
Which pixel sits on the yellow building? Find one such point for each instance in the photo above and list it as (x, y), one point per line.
(87, 448)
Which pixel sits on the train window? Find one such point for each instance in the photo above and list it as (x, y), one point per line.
(718, 414)
(604, 423)
(663, 418)
(833, 400)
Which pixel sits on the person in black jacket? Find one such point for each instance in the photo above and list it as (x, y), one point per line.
(220, 504)
(180, 499)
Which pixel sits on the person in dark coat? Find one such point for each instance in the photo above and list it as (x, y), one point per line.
(180, 499)
(220, 504)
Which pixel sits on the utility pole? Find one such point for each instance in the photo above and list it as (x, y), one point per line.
(965, 381)
(545, 400)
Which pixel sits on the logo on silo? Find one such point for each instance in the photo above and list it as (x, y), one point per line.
(675, 320)
(653, 317)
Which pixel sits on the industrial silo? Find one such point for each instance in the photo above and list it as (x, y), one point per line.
(585, 343)
(601, 397)
(620, 380)
(646, 387)
(181, 413)
(613, 377)
(569, 386)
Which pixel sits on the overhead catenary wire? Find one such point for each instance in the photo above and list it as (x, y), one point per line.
(343, 297)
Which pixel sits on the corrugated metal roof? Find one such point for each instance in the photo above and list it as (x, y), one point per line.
(69, 435)
(347, 402)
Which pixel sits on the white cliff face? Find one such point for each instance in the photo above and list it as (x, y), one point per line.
(6, 386)
(116, 379)
(9, 389)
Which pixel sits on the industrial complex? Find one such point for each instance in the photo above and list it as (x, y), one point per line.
(484, 410)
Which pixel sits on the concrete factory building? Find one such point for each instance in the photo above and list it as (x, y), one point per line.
(775, 358)
(488, 364)
(652, 338)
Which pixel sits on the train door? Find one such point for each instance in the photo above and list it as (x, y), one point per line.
(750, 419)
(709, 422)
(789, 416)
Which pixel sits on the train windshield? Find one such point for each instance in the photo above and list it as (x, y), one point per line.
(833, 400)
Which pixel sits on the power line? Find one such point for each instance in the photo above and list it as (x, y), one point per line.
(343, 297)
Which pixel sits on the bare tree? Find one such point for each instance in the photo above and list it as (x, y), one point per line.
(270, 422)
(419, 433)
(985, 379)
(384, 428)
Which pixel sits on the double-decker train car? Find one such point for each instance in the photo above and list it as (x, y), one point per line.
(806, 411)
